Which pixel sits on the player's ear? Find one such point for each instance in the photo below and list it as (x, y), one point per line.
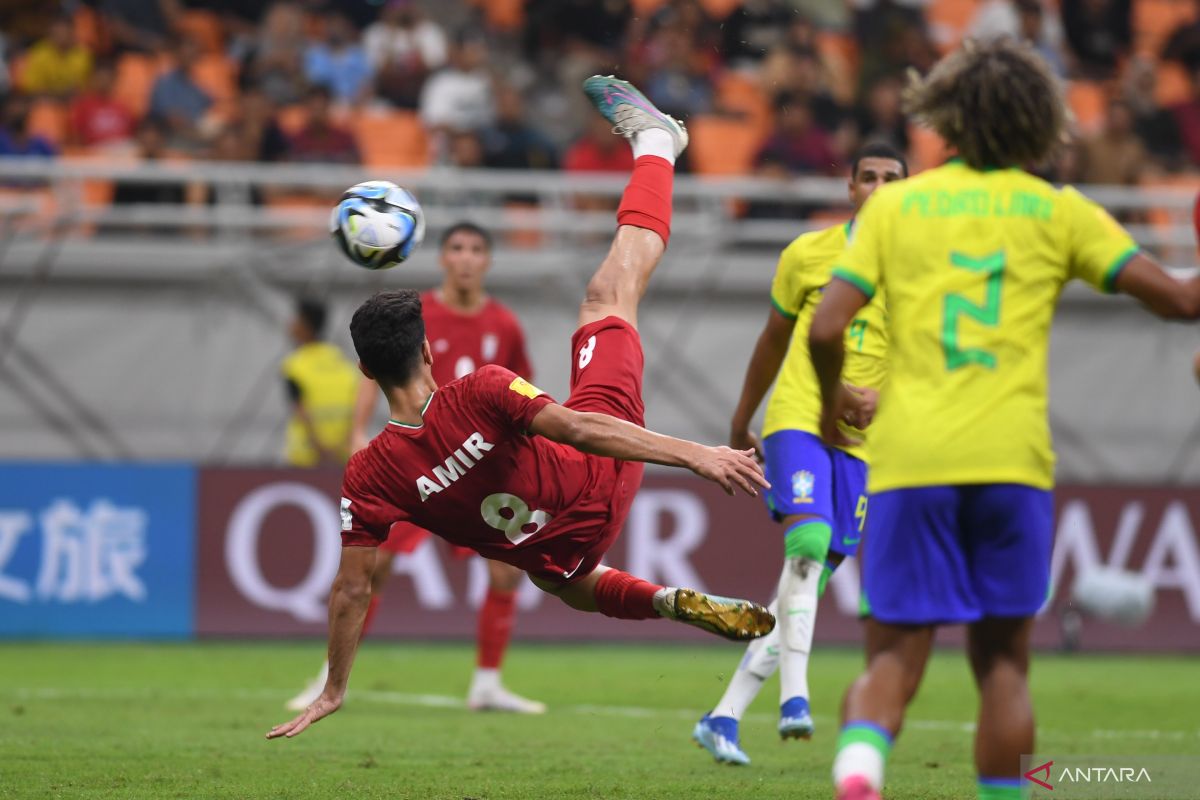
(362, 368)
(427, 353)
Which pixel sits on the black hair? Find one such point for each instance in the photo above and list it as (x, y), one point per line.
(313, 313)
(388, 332)
(467, 227)
(878, 150)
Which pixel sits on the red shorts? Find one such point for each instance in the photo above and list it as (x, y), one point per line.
(606, 377)
(404, 537)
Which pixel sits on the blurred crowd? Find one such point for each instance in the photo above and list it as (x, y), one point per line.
(773, 87)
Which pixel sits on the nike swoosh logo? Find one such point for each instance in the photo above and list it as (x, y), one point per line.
(567, 575)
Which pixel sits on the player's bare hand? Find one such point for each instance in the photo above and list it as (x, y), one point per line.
(858, 405)
(322, 707)
(744, 439)
(732, 469)
(831, 433)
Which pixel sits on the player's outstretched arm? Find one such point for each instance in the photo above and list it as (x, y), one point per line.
(602, 435)
(769, 352)
(348, 601)
(826, 345)
(1159, 292)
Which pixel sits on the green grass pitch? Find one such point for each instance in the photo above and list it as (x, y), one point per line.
(187, 721)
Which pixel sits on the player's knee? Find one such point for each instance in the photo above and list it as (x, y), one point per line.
(808, 539)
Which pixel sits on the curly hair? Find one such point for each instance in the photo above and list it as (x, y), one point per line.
(996, 102)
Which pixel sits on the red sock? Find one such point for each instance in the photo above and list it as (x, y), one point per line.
(496, 617)
(646, 202)
(372, 607)
(621, 595)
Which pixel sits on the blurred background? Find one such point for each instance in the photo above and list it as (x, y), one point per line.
(166, 174)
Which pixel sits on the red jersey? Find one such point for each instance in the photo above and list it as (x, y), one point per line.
(462, 343)
(472, 473)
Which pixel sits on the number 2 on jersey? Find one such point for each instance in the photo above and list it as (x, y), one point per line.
(512, 515)
(957, 306)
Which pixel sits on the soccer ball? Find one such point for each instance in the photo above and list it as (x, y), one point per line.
(377, 224)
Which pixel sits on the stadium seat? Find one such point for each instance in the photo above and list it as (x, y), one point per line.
(742, 94)
(205, 27)
(136, 74)
(216, 74)
(1171, 84)
(391, 139)
(292, 119)
(505, 15)
(1155, 20)
(90, 30)
(840, 52)
(1089, 103)
(48, 118)
(948, 21)
(720, 9)
(722, 146)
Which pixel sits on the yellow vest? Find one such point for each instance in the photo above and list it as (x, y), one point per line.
(328, 382)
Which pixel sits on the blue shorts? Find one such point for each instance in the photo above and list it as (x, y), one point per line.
(949, 554)
(809, 478)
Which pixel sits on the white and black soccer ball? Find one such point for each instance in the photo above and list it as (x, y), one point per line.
(377, 224)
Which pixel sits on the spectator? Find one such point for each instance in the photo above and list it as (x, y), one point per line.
(598, 150)
(176, 101)
(57, 65)
(277, 60)
(753, 30)
(465, 150)
(264, 139)
(14, 137)
(1099, 33)
(794, 70)
(403, 48)
(339, 63)
(1155, 126)
(152, 145)
(1187, 122)
(96, 117)
(321, 140)
(881, 118)
(321, 384)
(1114, 155)
(143, 25)
(798, 144)
(678, 83)
(1022, 19)
(459, 96)
(231, 145)
(511, 143)
(593, 25)
(1183, 45)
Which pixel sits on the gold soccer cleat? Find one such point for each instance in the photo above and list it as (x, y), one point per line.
(728, 617)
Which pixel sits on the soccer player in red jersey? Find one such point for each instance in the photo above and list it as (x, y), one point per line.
(466, 329)
(492, 463)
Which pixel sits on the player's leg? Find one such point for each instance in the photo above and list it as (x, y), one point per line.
(379, 576)
(717, 731)
(999, 653)
(1012, 532)
(916, 574)
(644, 216)
(620, 595)
(496, 618)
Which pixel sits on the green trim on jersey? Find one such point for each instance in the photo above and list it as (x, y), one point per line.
(857, 282)
(424, 408)
(1114, 272)
(780, 309)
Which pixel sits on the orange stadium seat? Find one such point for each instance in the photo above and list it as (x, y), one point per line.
(136, 74)
(720, 9)
(741, 94)
(1154, 21)
(1089, 103)
(391, 139)
(1171, 84)
(48, 118)
(949, 20)
(216, 74)
(722, 146)
(506, 15)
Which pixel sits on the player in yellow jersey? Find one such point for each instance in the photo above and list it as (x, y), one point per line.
(973, 256)
(818, 493)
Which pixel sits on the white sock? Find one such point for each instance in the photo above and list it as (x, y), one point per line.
(798, 615)
(485, 678)
(664, 602)
(858, 759)
(653, 142)
(759, 663)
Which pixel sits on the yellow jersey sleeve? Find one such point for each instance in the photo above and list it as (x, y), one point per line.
(787, 293)
(861, 265)
(1098, 246)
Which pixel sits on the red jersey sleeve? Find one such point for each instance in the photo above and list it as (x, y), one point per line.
(512, 401)
(366, 518)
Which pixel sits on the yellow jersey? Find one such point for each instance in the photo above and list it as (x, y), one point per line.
(805, 268)
(327, 382)
(973, 263)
